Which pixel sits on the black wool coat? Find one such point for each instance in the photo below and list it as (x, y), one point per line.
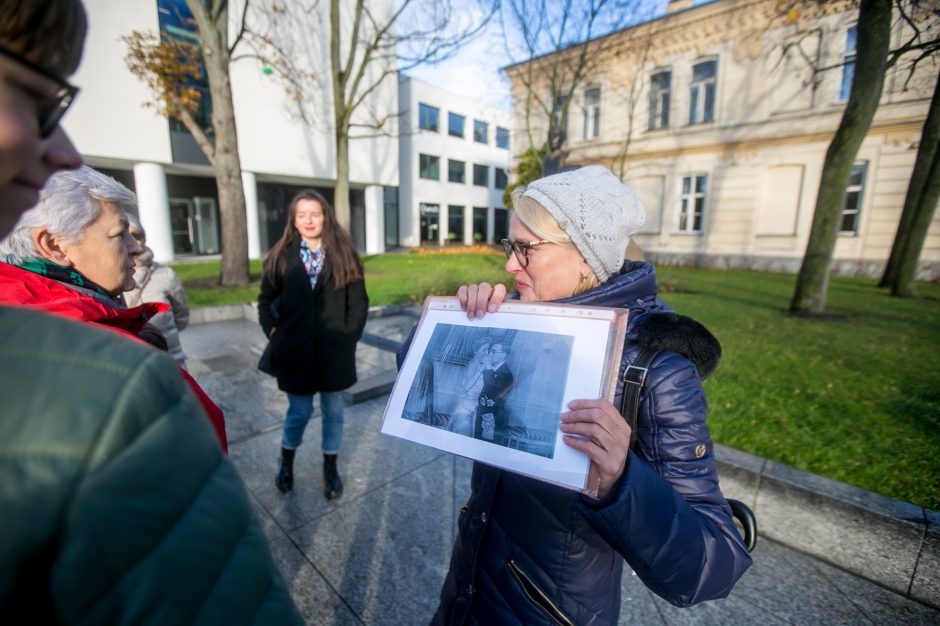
(314, 346)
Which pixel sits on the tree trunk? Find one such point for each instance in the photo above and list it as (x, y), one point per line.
(213, 38)
(903, 285)
(874, 30)
(920, 177)
(341, 114)
(341, 193)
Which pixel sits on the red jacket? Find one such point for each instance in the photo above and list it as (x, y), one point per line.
(22, 288)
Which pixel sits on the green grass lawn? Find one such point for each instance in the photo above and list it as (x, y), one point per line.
(855, 397)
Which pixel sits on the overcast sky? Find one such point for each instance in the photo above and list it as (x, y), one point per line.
(475, 71)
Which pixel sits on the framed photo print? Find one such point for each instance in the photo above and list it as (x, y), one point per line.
(492, 389)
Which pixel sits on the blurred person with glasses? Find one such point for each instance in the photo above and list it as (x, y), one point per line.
(33, 97)
(117, 505)
(533, 553)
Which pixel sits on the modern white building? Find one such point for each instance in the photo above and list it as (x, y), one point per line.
(454, 157)
(281, 151)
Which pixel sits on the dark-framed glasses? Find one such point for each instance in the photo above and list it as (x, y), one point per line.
(53, 108)
(521, 249)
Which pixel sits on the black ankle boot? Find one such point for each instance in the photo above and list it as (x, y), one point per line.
(285, 474)
(333, 486)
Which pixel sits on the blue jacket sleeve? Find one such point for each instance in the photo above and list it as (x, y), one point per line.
(666, 516)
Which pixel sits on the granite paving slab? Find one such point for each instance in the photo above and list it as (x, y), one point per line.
(387, 552)
(368, 461)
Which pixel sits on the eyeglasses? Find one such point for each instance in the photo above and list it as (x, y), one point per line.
(52, 110)
(521, 249)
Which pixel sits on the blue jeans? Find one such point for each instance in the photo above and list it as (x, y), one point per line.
(299, 411)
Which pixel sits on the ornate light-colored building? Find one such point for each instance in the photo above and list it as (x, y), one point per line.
(720, 116)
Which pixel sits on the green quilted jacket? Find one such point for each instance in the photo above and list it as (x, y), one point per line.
(117, 505)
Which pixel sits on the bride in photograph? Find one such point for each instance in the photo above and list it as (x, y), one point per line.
(461, 422)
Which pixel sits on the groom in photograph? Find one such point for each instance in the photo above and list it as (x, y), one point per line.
(497, 381)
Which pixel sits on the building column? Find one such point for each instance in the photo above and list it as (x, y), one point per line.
(250, 185)
(153, 207)
(375, 219)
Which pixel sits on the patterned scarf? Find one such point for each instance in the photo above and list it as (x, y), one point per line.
(61, 274)
(312, 260)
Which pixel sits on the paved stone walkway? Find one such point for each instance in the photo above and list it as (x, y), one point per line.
(378, 555)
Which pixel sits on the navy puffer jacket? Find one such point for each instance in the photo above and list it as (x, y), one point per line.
(531, 553)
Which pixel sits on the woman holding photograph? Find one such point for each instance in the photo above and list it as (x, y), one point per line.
(532, 553)
(313, 308)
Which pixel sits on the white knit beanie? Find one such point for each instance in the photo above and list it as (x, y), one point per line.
(597, 211)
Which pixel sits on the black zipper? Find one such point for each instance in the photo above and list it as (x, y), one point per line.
(538, 597)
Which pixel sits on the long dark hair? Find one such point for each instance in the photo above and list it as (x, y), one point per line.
(345, 264)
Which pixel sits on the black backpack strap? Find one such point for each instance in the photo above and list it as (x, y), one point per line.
(634, 377)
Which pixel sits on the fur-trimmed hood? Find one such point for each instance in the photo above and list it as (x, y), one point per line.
(671, 332)
(652, 324)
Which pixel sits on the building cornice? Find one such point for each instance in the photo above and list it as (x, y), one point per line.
(607, 151)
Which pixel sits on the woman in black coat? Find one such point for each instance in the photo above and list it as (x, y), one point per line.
(313, 307)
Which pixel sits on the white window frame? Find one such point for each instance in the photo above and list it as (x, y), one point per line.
(698, 91)
(660, 102)
(429, 156)
(429, 107)
(463, 125)
(848, 63)
(859, 191)
(591, 111)
(685, 207)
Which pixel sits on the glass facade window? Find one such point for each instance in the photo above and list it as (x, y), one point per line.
(500, 224)
(430, 222)
(502, 138)
(591, 110)
(501, 179)
(429, 167)
(853, 199)
(702, 92)
(692, 203)
(848, 64)
(455, 124)
(456, 171)
(481, 175)
(480, 131)
(660, 86)
(454, 223)
(479, 224)
(177, 23)
(428, 117)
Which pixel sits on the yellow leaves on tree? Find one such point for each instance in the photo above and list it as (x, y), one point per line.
(170, 67)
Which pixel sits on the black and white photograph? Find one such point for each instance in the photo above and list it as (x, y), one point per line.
(504, 386)
(493, 389)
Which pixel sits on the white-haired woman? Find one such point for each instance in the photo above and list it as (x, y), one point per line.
(531, 553)
(73, 255)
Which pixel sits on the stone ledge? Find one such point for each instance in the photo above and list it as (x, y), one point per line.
(893, 543)
(224, 313)
(249, 311)
(369, 388)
